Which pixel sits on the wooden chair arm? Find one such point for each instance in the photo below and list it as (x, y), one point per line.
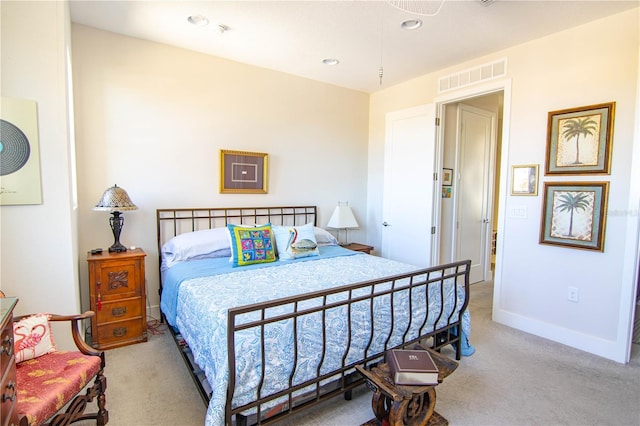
(75, 330)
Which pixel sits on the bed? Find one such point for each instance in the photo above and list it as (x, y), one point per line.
(269, 338)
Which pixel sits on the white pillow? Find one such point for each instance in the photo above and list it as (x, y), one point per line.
(303, 245)
(196, 245)
(324, 237)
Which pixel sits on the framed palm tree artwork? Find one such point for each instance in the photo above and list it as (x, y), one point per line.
(579, 140)
(574, 214)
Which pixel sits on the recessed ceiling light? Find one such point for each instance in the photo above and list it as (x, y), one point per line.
(411, 24)
(198, 20)
(330, 61)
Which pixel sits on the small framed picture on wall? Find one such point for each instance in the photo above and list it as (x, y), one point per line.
(243, 172)
(524, 179)
(447, 177)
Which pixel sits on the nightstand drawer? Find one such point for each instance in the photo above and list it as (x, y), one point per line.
(121, 332)
(119, 310)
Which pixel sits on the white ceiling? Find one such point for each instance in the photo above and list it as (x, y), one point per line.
(294, 36)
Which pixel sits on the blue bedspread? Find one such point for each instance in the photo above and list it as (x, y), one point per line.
(197, 295)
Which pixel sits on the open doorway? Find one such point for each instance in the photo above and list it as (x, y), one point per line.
(471, 142)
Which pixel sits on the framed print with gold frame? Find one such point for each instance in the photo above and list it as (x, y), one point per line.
(574, 214)
(524, 179)
(579, 140)
(243, 172)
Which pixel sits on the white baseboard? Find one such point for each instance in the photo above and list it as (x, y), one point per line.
(609, 349)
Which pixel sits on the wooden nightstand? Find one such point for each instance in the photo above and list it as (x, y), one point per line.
(359, 247)
(117, 295)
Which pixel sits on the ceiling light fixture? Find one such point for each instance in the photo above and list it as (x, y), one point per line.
(411, 24)
(418, 7)
(330, 61)
(198, 20)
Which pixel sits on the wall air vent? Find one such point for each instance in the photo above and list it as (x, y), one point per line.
(468, 77)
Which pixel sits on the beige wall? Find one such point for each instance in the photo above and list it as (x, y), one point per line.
(39, 242)
(152, 119)
(590, 64)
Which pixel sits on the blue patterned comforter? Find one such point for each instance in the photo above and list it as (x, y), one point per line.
(197, 295)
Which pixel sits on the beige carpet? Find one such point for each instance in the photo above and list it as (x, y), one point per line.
(514, 378)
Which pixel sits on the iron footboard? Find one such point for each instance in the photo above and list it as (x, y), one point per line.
(437, 329)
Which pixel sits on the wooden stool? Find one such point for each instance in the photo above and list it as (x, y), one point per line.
(405, 405)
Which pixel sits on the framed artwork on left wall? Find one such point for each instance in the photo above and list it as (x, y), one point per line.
(20, 180)
(243, 172)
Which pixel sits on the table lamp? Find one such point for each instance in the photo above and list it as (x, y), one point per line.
(115, 200)
(342, 218)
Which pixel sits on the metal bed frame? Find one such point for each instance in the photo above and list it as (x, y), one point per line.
(171, 222)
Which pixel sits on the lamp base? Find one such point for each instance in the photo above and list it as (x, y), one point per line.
(117, 248)
(116, 222)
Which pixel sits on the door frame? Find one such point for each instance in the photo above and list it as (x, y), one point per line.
(503, 85)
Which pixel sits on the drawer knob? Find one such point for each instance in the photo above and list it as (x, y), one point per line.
(9, 397)
(118, 312)
(7, 346)
(119, 331)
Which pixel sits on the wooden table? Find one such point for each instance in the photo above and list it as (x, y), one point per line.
(359, 247)
(405, 405)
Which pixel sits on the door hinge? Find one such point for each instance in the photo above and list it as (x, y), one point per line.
(437, 121)
(435, 176)
(433, 230)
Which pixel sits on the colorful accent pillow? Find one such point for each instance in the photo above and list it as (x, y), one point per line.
(251, 245)
(294, 242)
(32, 337)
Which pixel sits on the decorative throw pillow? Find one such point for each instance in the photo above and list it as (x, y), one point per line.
(32, 337)
(294, 242)
(251, 245)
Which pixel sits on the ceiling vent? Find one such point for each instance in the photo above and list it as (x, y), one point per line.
(468, 77)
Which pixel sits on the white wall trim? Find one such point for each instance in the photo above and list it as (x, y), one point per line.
(628, 299)
(605, 348)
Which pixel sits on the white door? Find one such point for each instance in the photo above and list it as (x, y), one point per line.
(474, 188)
(407, 210)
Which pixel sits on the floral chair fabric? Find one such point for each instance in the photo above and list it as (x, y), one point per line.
(51, 381)
(46, 383)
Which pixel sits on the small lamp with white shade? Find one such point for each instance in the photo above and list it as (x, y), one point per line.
(343, 219)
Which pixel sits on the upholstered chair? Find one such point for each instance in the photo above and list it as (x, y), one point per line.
(50, 383)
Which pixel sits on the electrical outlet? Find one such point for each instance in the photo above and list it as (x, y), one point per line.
(572, 294)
